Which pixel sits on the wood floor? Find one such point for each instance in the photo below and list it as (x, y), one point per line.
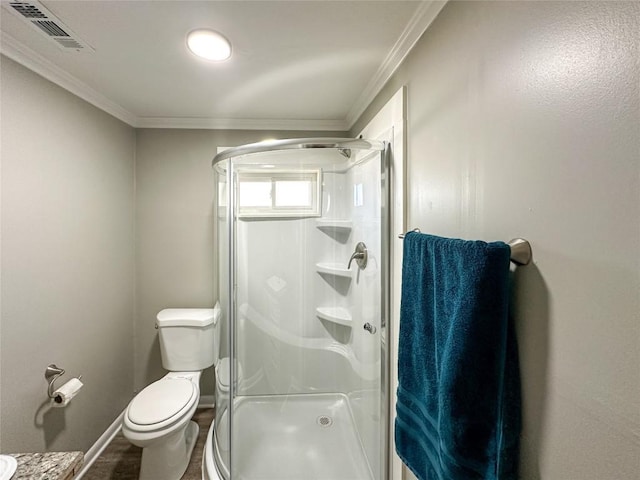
(121, 460)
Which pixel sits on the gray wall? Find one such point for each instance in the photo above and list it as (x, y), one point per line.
(524, 120)
(174, 218)
(67, 263)
(95, 213)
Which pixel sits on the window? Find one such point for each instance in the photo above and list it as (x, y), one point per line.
(279, 193)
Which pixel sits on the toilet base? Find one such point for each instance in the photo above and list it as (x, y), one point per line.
(170, 458)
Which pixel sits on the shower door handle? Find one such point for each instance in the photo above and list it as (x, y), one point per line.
(360, 256)
(370, 328)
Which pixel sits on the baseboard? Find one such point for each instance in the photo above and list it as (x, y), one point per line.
(97, 448)
(206, 401)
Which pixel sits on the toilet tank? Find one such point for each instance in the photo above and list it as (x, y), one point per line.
(188, 338)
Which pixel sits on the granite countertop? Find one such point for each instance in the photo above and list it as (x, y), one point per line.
(47, 466)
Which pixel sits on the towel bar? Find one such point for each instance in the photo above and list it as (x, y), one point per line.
(520, 249)
(401, 235)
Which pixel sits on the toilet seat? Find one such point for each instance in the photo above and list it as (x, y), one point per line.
(161, 404)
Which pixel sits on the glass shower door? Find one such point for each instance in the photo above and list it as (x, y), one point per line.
(221, 444)
(306, 397)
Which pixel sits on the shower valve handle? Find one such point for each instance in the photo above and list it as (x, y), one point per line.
(360, 256)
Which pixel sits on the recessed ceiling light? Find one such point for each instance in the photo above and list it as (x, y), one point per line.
(209, 44)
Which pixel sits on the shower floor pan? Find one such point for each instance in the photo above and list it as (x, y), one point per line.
(296, 437)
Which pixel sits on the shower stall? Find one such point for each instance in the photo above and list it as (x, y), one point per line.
(302, 279)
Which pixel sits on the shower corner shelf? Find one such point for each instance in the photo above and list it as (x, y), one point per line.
(335, 225)
(336, 269)
(338, 315)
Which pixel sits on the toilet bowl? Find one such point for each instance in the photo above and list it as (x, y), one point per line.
(158, 419)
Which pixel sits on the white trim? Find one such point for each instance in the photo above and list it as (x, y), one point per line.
(206, 401)
(26, 57)
(391, 118)
(240, 123)
(423, 17)
(97, 448)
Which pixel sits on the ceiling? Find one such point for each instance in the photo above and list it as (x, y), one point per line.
(295, 64)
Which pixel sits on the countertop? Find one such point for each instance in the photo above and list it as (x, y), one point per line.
(47, 466)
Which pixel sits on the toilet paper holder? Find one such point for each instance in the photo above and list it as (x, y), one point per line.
(51, 374)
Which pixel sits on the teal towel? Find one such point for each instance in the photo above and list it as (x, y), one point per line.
(458, 408)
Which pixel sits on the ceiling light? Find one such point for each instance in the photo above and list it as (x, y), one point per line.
(209, 44)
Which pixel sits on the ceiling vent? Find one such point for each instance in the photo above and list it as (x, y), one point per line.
(36, 15)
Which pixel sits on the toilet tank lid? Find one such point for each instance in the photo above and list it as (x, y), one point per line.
(188, 317)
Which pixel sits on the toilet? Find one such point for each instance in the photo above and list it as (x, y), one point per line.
(158, 419)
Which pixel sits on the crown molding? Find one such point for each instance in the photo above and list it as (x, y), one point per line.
(241, 123)
(26, 57)
(423, 17)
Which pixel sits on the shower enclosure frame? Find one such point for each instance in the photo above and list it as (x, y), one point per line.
(344, 145)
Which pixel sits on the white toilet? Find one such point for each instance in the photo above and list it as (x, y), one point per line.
(158, 418)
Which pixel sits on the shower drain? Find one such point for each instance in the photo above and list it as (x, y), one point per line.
(324, 421)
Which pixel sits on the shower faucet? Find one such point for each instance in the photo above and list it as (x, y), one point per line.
(360, 256)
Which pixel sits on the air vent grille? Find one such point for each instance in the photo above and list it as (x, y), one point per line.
(68, 43)
(27, 10)
(36, 15)
(51, 28)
